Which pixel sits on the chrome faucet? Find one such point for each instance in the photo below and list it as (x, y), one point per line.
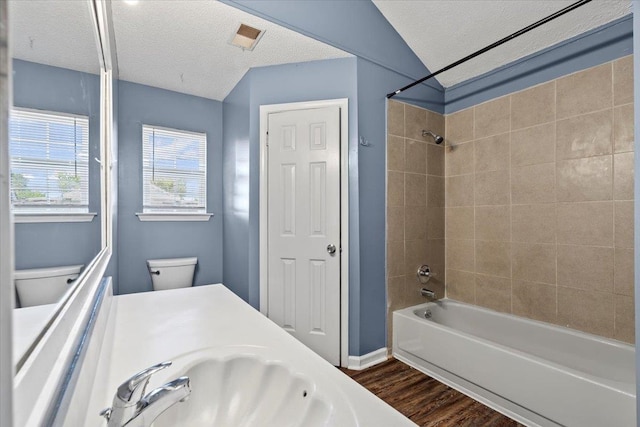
(428, 293)
(132, 408)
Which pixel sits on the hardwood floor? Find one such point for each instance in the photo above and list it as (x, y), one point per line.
(425, 401)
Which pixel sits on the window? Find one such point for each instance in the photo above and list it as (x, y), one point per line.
(49, 162)
(174, 171)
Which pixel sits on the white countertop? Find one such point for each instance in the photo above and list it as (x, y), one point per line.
(28, 322)
(153, 327)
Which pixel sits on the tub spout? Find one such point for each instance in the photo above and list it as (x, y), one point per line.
(428, 293)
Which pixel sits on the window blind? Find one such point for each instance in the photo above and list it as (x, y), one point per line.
(174, 170)
(49, 161)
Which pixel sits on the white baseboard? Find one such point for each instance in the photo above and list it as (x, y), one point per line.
(367, 360)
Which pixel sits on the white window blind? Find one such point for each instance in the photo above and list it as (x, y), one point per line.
(174, 170)
(49, 162)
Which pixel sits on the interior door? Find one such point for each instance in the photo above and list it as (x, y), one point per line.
(304, 226)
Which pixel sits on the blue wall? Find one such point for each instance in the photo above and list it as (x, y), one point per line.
(49, 88)
(357, 27)
(139, 241)
(603, 44)
(236, 171)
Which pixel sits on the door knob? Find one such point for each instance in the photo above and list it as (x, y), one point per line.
(331, 249)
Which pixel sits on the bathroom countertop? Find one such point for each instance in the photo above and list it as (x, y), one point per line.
(28, 322)
(152, 327)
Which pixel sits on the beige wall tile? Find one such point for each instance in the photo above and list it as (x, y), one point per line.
(395, 153)
(492, 117)
(493, 258)
(459, 127)
(459, 223)
(436, 261)
(534, 145)
(533, 106)
(459, 159)
(395, 188)
(492, 188)
(415, 255)
(623, 165)
(623, 272)
(435, 222)
(624, 224)
(435, 190)
(396, 300)
(588, 311)
(534, 262)
(588, 223)
(623, 129)
(493, 292)
(415, 223)
(416, 156)
(435, 123)
(461, 286)
(436, 255)
(585, 267)
(533, 223)
(492, 154)
(460, 255)
(625, 319)
(415, 120)
(493, 223)
(415, 191)
(584, 92)
(588, 179)
(412, 290)
(435, 159)
(395, 223)
(534, 300)
(623, 80)
(533, 184)
(584, 136)
(395, 258)
(395, 292)
(459, 190)
(395, 118)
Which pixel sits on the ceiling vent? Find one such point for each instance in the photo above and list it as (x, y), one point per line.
(246, 37)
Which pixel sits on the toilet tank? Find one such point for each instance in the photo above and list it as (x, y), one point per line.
(38, 286)
(172, 273)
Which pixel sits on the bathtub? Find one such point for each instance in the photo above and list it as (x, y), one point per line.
(536, 373)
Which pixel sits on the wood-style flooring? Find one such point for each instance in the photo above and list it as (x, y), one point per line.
(424, 400)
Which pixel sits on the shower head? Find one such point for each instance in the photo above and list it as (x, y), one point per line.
(437, 138)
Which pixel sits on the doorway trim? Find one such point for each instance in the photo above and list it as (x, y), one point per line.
(265, 110)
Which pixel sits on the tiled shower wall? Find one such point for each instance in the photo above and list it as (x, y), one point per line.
(539, 202)
(415, 205)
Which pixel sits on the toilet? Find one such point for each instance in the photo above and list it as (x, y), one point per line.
(172, 273)
(38, 286)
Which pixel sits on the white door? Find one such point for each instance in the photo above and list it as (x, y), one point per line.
(304, 226)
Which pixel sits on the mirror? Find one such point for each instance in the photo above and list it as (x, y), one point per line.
(54, 145)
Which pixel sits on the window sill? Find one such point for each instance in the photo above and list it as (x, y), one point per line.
(31, 218)
(173, 216)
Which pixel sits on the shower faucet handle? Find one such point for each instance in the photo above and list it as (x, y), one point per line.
(424, 274)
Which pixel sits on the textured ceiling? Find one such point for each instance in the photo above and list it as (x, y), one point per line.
(441, 32)
(58, 33)
(184, 45)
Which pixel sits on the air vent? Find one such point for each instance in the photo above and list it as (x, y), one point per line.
(246, 37)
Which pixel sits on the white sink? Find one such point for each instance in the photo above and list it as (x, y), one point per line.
(247, 390)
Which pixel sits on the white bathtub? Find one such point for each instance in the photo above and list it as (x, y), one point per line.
(536, 373)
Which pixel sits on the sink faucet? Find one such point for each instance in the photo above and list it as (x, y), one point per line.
(132, 408)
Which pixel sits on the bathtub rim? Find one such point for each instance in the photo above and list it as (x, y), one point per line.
(626, 388)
